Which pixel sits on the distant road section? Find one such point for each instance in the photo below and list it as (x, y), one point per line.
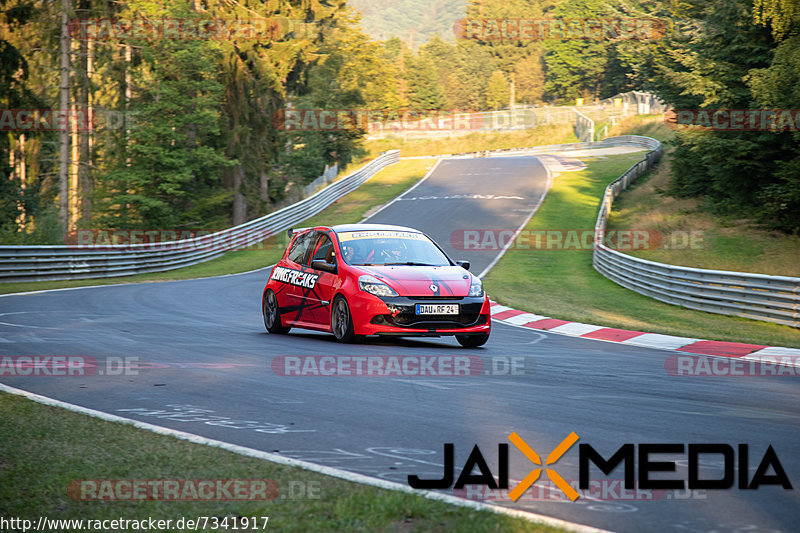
(498, 193)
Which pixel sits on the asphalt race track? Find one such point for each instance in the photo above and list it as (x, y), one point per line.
(497, 194)
(199, 360)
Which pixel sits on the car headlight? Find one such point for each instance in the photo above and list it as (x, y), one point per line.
(373, 285)
(476, 287)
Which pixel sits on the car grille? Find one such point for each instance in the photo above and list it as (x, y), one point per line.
(440, 298)
(403, 313)
(405, 320)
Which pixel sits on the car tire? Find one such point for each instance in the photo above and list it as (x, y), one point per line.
(472, 341)
(272, 316)
(342, 321)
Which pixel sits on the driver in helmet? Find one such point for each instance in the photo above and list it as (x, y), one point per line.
(349, 252)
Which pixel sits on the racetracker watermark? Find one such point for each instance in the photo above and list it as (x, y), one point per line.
(400, 366)
(598, 489)
(66, 366)
(710, 366)
(265, 29)
(775, 120)
(540, 29)
(169, 239)
(88, 119)
(173, 490)
(491, 240)
(396, 120)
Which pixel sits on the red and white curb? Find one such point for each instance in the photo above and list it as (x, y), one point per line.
(747, 352)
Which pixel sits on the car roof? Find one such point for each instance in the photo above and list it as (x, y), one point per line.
(371, 227)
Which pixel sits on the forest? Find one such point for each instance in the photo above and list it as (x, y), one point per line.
(148, 115)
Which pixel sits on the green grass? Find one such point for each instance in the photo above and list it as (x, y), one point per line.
(647, 125)
(720, 243)
(384, 186)
(563, 284)
(45, 448)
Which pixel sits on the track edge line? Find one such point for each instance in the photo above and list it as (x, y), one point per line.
(305, 465)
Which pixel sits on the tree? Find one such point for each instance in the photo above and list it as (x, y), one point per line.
(778, 87)
(175, 150)
(424, 86)
(722, 59)
(353, 74)
(463, 71)
(576, 67)
(529, 77)
(519, 59)
(498, 92)
(26, 213)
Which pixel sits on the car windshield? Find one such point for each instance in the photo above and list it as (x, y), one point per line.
(390, 248)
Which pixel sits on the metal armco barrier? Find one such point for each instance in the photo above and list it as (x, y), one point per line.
(584, 127)
(756, 296)
(61, 262)
(609, 142)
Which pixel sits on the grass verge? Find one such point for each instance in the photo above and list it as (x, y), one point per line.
(474, 142)
(563, 283)
(44, 449)
(647, 125)
(691, 236)
(385, 185)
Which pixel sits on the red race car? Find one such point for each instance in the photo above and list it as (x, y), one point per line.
(357, 280)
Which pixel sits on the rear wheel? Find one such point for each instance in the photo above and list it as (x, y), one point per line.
(472, 341)
(342, 321)
(272, 315)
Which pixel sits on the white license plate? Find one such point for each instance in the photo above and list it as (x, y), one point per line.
(437, 309)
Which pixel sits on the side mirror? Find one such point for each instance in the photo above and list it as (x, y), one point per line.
(319, 264)
(463, 264)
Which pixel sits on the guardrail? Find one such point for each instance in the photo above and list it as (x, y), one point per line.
(62, 262)
(755, 296)
(621, 140)
(584, 127)
(328, 177)
(433, 123)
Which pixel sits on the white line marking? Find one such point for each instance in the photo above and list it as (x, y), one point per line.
(461, 197)
(525, 223)
(376, 451)
(417, 184)
(576, 328)
(524, 318)
(774, 360)
(775, 350)
(321, 469)
(424, 383)
(657, 340)
(18, 325)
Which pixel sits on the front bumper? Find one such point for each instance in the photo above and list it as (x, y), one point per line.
(397, 316)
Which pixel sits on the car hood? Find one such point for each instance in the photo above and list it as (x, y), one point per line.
(417, 280)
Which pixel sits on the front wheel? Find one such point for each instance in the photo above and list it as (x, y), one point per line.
(342, 321)
(272, 315)
(472, 341)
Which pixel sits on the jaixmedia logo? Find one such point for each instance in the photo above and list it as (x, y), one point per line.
(637, 462)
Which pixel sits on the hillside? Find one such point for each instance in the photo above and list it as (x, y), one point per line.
(413, 21)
